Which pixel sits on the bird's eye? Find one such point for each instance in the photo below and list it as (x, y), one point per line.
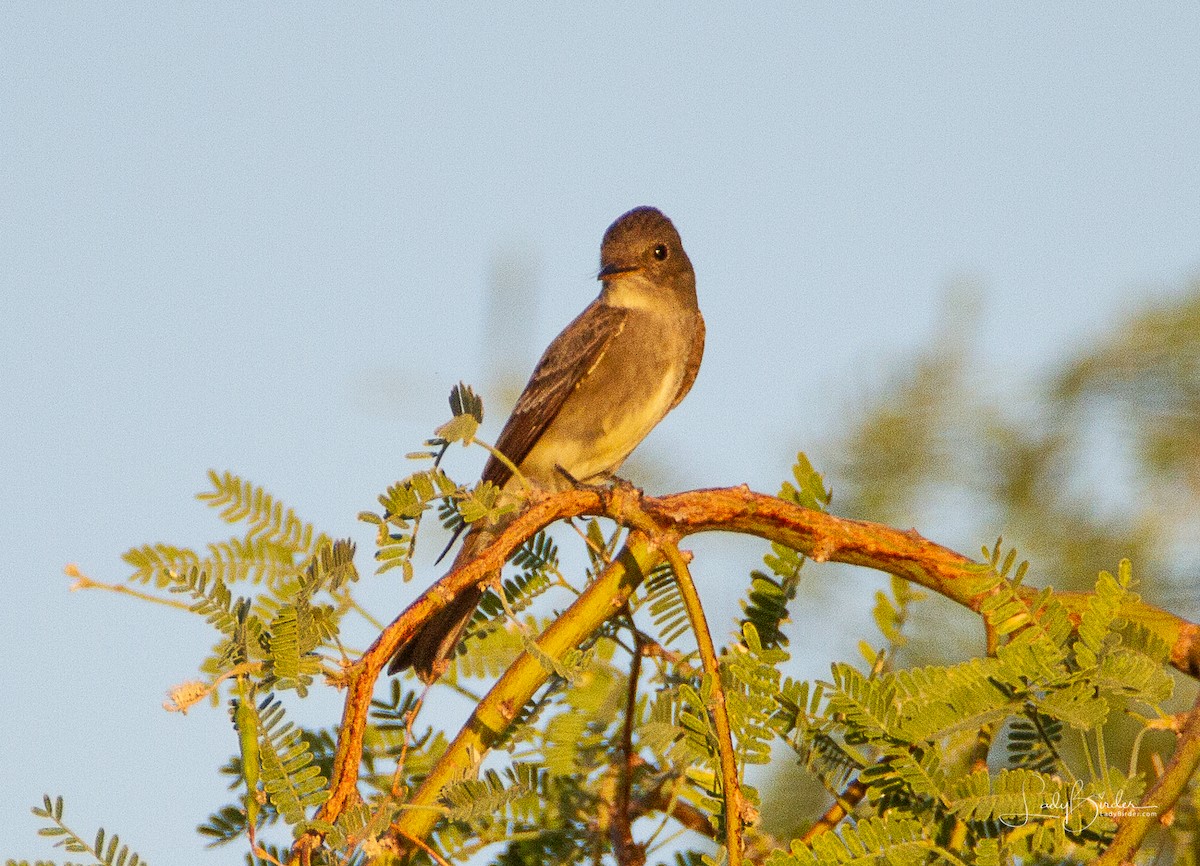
(661, 252)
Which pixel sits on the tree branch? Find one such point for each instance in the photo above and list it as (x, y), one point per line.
(1161, 798)
(731, 789)
(607, 594)
(821, 537)
(842, 805)
(627, 851)
(826, 538)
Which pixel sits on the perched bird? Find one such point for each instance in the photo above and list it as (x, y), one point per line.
(601, 386)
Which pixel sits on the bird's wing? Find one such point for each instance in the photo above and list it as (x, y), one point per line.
(693, 362)
(566, 363)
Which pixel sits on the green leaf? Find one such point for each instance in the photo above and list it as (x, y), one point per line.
(809, 490)
(468, 415)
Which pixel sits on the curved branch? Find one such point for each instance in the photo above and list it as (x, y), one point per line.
(826, 538)
(361, 676)
(731, 789)
(819, 536)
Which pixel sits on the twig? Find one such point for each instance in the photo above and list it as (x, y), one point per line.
(683, 812)
(841, 807)
(627, 852)
(600, 552)
(758, 844)
(434, 855)
(184, 696)
(1132, 829)
(82, 581)
(731, 790)
(508, 464)
(351, 604)
(409, 718)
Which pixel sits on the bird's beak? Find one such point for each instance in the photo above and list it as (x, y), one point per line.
(609, 271)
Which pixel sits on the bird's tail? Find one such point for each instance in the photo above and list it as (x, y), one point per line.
(429, 651)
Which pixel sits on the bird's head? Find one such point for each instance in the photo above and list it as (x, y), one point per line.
(641, 257)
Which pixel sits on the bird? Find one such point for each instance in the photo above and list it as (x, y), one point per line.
(600, 387)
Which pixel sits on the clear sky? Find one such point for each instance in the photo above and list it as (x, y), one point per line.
(261, 237)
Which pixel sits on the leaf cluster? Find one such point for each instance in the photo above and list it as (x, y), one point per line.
(920, 739)
(925, 763)
(104, 850)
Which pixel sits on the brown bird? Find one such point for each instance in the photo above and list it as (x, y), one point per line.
(601, 386)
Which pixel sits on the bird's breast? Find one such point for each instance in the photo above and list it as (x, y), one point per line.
(629, 390)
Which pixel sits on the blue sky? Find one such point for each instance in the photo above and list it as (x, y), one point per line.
(261, 237)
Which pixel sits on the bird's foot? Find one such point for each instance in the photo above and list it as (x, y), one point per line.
(605, 483)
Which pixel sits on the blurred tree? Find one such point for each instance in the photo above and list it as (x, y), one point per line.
(1099, 461)
(1096, 462)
